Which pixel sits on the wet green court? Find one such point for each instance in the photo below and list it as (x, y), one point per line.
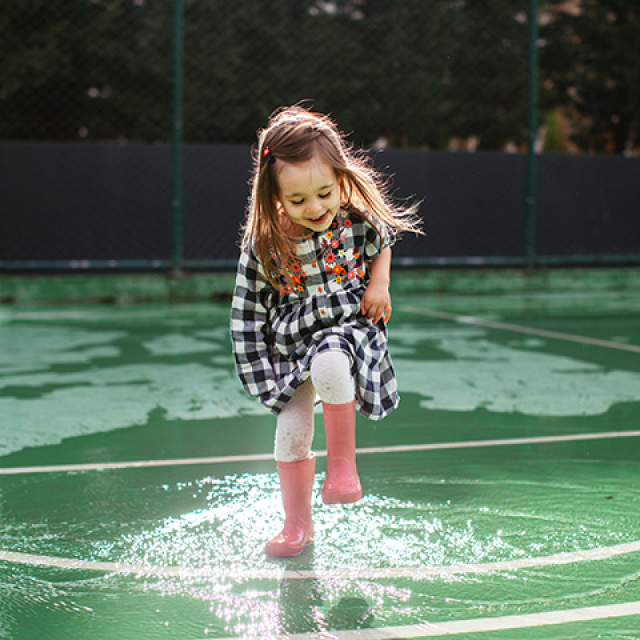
(502, 499)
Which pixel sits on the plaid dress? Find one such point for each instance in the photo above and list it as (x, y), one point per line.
(276, 332)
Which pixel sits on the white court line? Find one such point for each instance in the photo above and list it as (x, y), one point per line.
(353, 573)
(178, 462)
(540, 333)
(398, 632)
(473, 625)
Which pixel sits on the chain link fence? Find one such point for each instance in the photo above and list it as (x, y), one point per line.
(126, 125)
(407, 73)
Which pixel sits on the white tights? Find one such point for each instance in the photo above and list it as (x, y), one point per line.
(331, 379)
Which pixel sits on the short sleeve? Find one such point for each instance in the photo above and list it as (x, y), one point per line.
(377, 237)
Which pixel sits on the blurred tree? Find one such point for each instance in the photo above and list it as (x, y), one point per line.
(412, 72)
(72, 69)
(415, 73)
(590, 65)
(489, 72)
(554, 141)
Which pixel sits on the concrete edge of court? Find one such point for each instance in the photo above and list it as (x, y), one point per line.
(124, 287)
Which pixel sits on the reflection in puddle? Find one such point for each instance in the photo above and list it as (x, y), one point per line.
(242, 511)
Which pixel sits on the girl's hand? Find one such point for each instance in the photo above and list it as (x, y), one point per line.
(376, 303)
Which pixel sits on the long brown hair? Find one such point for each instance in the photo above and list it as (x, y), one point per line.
(295, 134)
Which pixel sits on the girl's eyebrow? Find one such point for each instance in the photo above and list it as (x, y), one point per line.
(322, 188)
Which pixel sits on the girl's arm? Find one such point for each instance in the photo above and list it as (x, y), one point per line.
(376, 301)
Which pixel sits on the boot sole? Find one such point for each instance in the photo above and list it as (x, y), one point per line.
(338, 497)
(287, 553)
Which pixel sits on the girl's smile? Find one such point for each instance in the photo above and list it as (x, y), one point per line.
(309, 194)
(320, 219)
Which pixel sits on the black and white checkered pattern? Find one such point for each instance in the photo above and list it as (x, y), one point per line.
(277, 333)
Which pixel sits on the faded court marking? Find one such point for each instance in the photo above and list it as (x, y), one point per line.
(355, 573)
(540, 333)
(257, 457)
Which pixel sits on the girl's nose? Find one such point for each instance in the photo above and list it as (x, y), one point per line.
(313, 206)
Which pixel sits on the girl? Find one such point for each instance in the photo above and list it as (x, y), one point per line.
(310, 305)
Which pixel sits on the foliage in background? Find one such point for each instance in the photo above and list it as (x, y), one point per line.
(408, 73)
(590, 67)
(80, 69)
(554, 135)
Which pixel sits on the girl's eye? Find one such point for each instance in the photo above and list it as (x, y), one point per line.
(299, 201)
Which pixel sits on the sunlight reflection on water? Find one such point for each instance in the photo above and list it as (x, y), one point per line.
(241, 512)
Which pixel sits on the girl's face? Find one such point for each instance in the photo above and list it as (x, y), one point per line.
(309, 194)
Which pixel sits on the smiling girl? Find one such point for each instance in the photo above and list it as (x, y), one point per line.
(311, 303)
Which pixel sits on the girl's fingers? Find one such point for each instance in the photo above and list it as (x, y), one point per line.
(381, 313)
(376, 313)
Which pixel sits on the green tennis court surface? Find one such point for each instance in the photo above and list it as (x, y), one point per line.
(502, 499)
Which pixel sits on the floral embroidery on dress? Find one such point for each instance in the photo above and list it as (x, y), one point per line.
(334, 253)
(298, 278)
(334, 260)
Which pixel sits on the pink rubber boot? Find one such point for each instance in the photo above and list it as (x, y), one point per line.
(341, 485)
(296, 485)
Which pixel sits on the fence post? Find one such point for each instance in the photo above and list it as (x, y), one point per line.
(530, 198)
(177, 139)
